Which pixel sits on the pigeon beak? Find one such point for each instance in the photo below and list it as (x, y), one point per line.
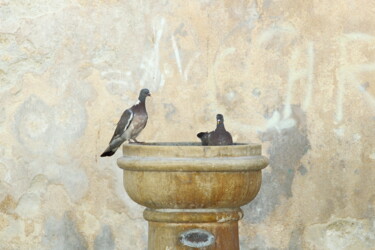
(149, 94)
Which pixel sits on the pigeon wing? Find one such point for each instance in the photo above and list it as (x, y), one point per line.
(123, 123)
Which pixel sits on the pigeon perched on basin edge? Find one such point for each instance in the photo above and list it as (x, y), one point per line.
(217, 137)
(132, 122)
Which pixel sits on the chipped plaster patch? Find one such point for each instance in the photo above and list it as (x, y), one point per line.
(341, 233)
(63, 234)
(105, 239)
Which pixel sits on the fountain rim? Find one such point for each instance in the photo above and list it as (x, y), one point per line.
(185, 143)
(192, 157)
(190, 149)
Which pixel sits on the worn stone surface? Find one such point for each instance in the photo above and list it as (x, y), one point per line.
(296, 76)
(105, 239)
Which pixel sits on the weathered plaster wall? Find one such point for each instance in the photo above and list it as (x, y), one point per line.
(296, 76)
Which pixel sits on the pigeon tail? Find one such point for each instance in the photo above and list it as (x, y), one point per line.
(202, 134)
(108, 152)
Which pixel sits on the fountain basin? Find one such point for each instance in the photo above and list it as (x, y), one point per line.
(187, 175)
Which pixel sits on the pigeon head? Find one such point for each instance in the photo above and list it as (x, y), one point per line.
(220, 119)
(143, 94)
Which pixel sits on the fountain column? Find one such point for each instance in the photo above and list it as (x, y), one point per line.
(192, 193)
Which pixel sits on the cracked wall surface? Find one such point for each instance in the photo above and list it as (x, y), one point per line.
(295, 76)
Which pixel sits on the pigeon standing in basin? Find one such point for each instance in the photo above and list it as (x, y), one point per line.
(217, 137)
(220, 136)
(131, 123)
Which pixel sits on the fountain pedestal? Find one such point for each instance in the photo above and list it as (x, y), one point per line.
(192, 193)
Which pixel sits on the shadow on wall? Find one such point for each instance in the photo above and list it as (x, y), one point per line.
(289, 143)
(63, 234)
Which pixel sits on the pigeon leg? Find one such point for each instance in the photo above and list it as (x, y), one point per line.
(139, 142)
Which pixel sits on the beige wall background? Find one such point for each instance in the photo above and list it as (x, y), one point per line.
(295, 76)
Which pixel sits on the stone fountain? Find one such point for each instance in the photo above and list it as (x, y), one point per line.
(192, 193)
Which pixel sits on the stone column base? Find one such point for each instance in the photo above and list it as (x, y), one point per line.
(180, 229)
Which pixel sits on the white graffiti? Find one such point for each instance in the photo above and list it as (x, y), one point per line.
(296, 74)
(177, 54)
(348, 73)
(150, 65)
(189, 65)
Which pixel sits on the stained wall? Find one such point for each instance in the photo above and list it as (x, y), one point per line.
(295, 76)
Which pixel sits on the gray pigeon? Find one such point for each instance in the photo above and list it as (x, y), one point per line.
(132, 122)
(217, 137)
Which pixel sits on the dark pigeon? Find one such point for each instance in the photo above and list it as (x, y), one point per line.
(217, 137)
(131, 123)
